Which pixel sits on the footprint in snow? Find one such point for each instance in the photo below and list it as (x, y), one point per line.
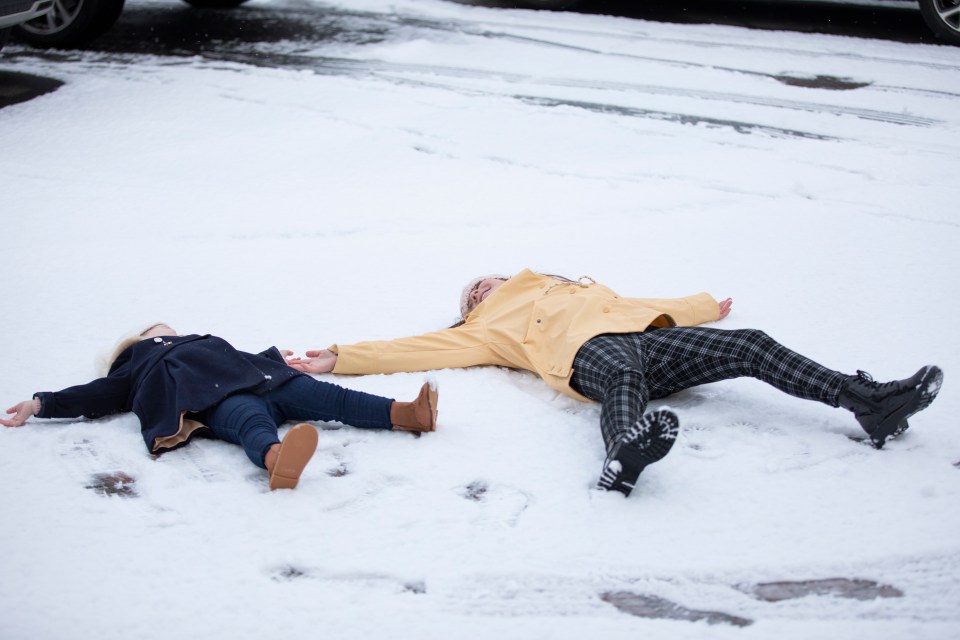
(856, 588)
(291, 573)
(115, 483)
(499, 503)
(648, 606)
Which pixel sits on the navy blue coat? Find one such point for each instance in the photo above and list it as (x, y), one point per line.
(159, 379)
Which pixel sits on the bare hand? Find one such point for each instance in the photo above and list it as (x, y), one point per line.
(317, 361)
(22, 412)
(725, 306)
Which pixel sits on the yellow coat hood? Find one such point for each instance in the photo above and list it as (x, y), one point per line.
(533, 322)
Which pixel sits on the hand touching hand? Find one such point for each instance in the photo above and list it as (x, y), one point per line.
(725, 306)
(22, 412)
(317, 361)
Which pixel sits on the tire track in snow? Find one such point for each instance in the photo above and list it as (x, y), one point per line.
(402, 72)
(445, 77)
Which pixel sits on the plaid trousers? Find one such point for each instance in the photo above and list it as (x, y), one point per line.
(624, 371)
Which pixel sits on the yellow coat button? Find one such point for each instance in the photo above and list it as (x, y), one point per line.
(606, 309)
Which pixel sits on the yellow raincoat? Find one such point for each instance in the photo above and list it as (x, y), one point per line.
(533, 322)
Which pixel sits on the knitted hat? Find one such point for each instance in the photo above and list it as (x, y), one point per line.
(465, 294)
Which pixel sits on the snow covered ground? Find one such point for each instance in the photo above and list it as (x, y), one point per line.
(350, 194)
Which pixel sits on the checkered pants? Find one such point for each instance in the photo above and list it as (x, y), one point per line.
(623, 371)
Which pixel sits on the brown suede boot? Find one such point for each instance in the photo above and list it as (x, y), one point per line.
(419, 415)
(297, 448)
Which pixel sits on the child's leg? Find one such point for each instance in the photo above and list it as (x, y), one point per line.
(304, 398)
(245, 419)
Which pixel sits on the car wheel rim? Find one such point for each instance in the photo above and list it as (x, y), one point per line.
(949, 13)
(62, 15)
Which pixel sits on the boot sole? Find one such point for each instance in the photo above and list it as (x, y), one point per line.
(896, 423)
(433, 396)
(297, 448)
(649, 441)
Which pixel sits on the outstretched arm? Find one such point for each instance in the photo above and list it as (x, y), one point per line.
(463, 346)
(22, 412)
(725, 306)
(317, 361)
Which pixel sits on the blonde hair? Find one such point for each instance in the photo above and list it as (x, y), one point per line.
(106, 361)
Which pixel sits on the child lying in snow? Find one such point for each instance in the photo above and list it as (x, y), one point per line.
(180, 386)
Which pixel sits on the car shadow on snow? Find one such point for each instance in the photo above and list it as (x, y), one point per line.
(18, 87)
(175, 29)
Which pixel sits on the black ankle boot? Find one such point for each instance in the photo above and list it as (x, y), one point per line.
(648, 441)
(882, 409)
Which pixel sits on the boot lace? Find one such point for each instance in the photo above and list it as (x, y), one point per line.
(867, 380)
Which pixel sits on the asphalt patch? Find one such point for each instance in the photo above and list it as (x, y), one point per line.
(19, 87)
(856, 588)
(832, 83)
(647, 606)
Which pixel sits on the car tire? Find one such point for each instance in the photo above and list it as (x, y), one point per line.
(214, 4)
(943, 18)
(71, 23)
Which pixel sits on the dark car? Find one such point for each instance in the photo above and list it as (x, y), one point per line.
(941, 16)
(76, 22)
(14, 12)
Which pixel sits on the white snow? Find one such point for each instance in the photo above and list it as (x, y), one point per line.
(351, 198)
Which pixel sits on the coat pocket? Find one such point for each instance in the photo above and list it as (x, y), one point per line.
(545, 341)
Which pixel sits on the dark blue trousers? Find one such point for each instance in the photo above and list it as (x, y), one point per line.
(251, 420)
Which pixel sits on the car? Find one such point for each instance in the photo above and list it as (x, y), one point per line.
(942, 16)
(74, 23)
(14, 12)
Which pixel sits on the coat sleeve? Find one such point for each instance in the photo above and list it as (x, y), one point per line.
(688, 311)
(273, 354)
(101, 397)
(462, 346)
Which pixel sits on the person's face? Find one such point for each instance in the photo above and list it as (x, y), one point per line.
(482, 291)
(158, 330)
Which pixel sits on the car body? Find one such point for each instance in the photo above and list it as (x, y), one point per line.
(941, 16)
(14, 12)
(74, 23)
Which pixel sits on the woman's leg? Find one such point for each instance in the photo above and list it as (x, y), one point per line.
(244, 419)
(304, 398)
(623, 371)
(678, 358)
(610, 369)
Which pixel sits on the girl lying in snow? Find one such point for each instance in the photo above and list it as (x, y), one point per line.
(587, 342)
(180, 386)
